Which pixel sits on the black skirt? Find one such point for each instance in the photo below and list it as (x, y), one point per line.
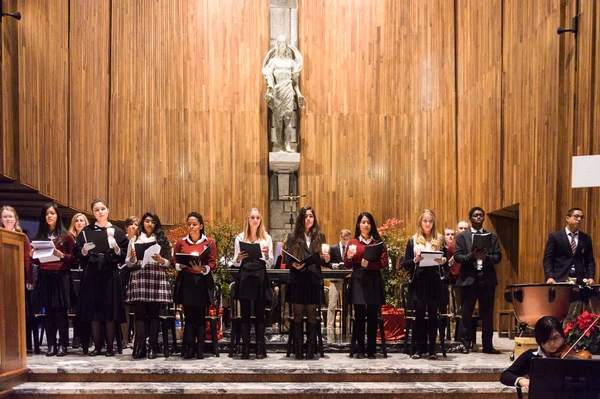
(194, 289)
(305, 286)
(54, 290)
(366, 287)
(252, 282)
(427, 286)
(101, 294)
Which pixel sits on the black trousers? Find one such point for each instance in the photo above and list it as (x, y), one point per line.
(369, 314)
(470, 294)
(426, 330)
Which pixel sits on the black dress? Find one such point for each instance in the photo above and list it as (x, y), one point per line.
(426, 282)
(101, 295)
(305, 286)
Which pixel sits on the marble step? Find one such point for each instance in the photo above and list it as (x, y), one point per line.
(413, 390)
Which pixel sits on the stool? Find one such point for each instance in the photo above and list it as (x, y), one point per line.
(510, 333)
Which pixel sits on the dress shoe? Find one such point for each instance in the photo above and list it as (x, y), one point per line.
(95, 352)
(152, 353)
(62, 351)
(360, 355)
(491, 351)
(433, 356)
(109, 353)
(416, 355)
(189, 353)
(52, 351)
(371, 356)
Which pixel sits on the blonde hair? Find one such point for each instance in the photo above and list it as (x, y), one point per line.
(73, 220)
(260, 232)
(11, 209)
(437, 240)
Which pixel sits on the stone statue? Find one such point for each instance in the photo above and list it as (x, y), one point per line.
(281, 69)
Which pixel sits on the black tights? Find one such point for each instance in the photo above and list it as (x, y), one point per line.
(57, 319)
(110, 328)
(248, 305)
(301, 310)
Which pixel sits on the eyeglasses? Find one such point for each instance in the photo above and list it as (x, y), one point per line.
(555, 339)
(579, 217)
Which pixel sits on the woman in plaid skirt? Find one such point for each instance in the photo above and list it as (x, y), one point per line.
(148, 283)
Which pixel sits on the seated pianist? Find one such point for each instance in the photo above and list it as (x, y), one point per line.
(549, 336)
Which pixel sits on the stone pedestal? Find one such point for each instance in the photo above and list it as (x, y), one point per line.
(284, 162)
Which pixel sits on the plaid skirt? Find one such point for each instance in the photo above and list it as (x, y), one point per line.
(149, 284)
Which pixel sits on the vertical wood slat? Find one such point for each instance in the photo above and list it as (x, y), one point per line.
(89, 83)
(9, 82)
(43, 96)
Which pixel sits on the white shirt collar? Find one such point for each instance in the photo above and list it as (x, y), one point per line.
(189, 240)
(569, 232)
(361, 239)
(109, 224)
(476, 231)
(540, 352)
(144, 237)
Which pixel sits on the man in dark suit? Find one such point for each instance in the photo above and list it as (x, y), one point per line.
(569, 255)
(337, 253)
(477, 280)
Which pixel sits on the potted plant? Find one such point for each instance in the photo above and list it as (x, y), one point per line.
(393, 234)
(590, 338)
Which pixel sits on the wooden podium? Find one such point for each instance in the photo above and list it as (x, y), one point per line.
(13, 353)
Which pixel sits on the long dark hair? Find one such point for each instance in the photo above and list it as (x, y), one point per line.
(374, 233)
(43, 228)
(200, 220)
(161, 238)
(315, 233)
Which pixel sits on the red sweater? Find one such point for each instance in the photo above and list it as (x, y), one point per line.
(358, 256)
(64, 244)
(183, 246)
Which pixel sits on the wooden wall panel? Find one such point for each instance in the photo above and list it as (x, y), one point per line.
(9, 93)
(43, 96)
(188, 120)
(89, 83)
(378, 131)
(530, 118)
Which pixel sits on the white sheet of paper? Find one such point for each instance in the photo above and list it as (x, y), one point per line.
(428, 258)
(150, 252)
(44, 251)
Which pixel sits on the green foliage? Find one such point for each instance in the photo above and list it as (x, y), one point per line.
(395, 237)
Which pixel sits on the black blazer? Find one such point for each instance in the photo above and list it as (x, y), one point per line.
(310, 273)
(520, 368)
(468, 264)
(335, 252)
(558, 257)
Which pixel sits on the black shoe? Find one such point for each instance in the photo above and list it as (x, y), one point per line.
(86, 350)
(95, 352)
(360, 355)
(416, 355)
(152, 353)
(189, 353)
(371, 356)
(433, 356)
(76, 343)
(62, 351)
(109, 353)
(491, 351)
(52, 351)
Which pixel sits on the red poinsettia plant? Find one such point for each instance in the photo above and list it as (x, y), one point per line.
(579, 327)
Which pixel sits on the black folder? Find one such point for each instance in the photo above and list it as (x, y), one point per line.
(314, 259)
(482, 240)
(252, 249)
(98, 237)
(373, 252)
(186, 259)
(141, 247)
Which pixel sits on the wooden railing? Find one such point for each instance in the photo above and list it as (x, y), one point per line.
(13, 355)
